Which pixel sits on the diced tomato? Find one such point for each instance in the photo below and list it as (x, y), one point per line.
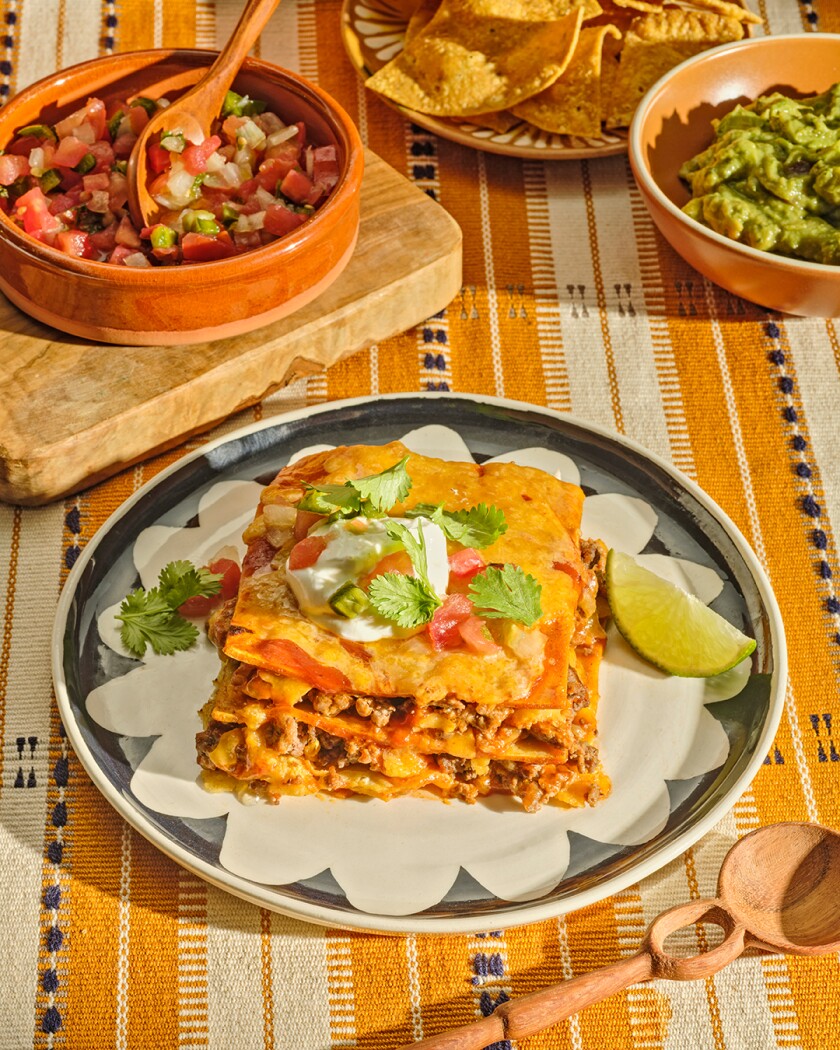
(306, 552)
(231, 126)
(12, 167)
(67, 126)
(476, 636)
(274, 170)
(466, 563)
(325, 165)
(195, 157)
(296, 186)
(230, 572)
(70, 151)
(95, 116)
(304, 521)
(444, 625)
(126, 233)
(138, 118)
(117, 190)
(281, 220)
(399, 562)
(23, 146)
(70, 180)
(104, 240)
(100, 181)
(246, 188)
(121, 253)
(104, 154)
(34, 208)
(65, 201)
(198, 247)
(124, 144)
(287, 152)
(75, 242)
(160, 159)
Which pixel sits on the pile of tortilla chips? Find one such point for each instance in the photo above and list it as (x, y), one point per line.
(572, 67)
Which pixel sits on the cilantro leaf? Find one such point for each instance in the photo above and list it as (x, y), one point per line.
(180, 580)
(415, 548)
(383, 490)
(151, 618)
(342, 500)
(477, 527)
(507, 592)
(372, 495)
(404, 599)
(148, 619)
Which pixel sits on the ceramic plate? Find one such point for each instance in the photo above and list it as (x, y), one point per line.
(373, 32)
(415, 864)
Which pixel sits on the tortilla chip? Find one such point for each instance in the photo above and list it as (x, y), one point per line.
(423, 14)
(730, 10)
(468, 61)
(656, 43)
(500, 122)
(572, 104)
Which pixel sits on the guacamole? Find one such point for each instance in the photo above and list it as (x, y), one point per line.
(771, 177)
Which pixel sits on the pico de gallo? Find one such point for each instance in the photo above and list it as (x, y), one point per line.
(254, 179)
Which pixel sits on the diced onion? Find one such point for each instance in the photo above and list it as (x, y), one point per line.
(36, 161)
(251, 135)
(179, 189)
(276, 137)
(279, 522)
(85, 133)
(215, 162)
(136, 259)
(100, 201)
(250, 223)
(264, 198)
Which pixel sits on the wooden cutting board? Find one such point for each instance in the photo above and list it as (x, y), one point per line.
(74, 412)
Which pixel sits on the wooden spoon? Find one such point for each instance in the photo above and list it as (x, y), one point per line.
(194, 112)
(778, 891)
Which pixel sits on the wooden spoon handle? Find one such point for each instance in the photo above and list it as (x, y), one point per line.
(531, 1014)
(251, 23)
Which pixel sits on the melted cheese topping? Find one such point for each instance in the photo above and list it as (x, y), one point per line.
(270, 630)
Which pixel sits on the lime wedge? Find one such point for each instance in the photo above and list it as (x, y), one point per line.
(668, 627)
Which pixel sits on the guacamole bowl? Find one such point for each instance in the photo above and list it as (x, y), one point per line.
(202, 300)
(673, 124)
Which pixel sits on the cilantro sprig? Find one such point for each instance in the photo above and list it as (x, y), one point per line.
(507, 592)
(477, 527)
(373, 495)
(410, 601)
(407, 600)
(151, 618)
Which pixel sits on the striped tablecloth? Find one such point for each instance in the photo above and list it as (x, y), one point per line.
(570, 300)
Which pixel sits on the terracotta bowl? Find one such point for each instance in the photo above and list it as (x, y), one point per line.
(672, 124)
(200, 301)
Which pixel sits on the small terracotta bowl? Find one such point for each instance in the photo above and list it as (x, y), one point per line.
(201, 301)
(672, 124)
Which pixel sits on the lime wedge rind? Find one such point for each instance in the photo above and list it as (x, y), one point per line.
(669, 627)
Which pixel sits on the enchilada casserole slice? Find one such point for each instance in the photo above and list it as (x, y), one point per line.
(407, 625)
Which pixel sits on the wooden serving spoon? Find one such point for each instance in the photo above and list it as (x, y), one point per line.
(778, 891)
(194, 112)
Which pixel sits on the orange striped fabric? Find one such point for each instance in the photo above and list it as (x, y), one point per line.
(570, 299)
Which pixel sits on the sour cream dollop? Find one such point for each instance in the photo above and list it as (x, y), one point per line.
(354, 547)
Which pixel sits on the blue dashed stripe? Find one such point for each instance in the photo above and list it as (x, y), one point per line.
(109, 38)
(803, 469)
(6, 63)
